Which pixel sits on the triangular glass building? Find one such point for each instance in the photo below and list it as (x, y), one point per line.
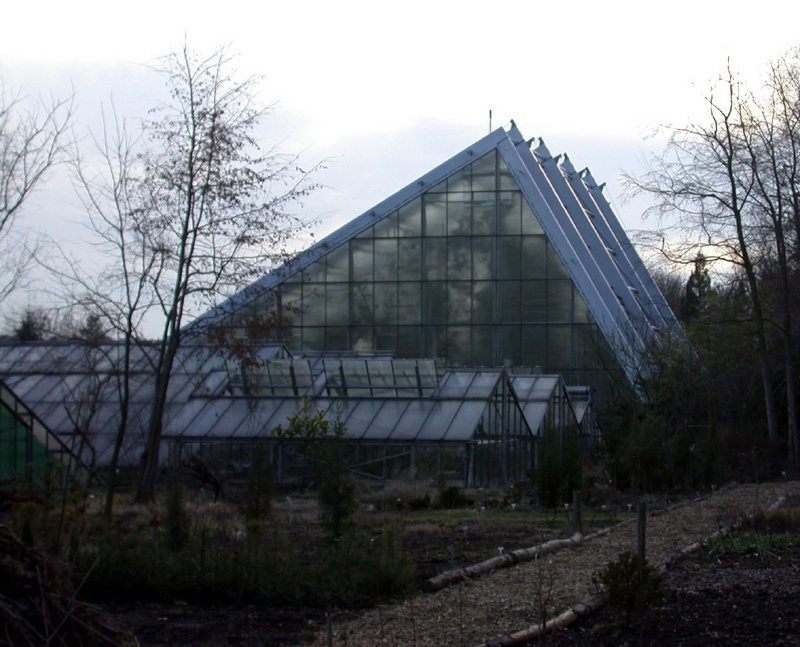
(502, 256)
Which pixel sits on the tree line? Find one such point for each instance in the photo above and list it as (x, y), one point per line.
(729, 188)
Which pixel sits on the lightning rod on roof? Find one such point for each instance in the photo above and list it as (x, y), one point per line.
(490, 120)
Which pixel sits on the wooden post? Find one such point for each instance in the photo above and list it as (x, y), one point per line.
(641, 532)
(577, 511)
(329, 627)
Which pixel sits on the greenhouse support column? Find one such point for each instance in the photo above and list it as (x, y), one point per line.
(469, 467)
(504, 430)
(413, 463)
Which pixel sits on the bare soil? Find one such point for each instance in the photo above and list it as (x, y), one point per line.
(726, 600)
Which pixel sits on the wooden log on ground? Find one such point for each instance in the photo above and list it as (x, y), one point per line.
(526, 636)
(448, 578)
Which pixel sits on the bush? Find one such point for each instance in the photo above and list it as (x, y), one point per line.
(630, 584)
(451, 498)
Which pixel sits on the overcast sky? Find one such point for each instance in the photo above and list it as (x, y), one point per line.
(387, 91)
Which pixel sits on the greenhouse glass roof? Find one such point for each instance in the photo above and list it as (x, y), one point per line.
(72, 389)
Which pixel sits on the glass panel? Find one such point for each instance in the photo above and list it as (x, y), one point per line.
(386, 260)
(366, 234)
(584, 352)
(534, 301)
(460, 180)
(483, 346)
(435, 302)
(459, 301)
(338, 262)
(435, 343)
(559, 347)
(534, 257)
(483, 384)
(555, 268)
(580, 312)
(530, 223)
(412, 419)
(360, 419)
(361, 252)
(483, 258)
(483, 302)
(408, 341)
(506, 179)
(384, 423)
(534, 346)
(385, 337)
(435, 259)
(559, 301)
(337, 301)
(387, 226)
(483, 173)
(313, 338)
(509, 213)
(455, 384)
(439, 421)
(362, 339)
(459, 258)
(409, 303)
(410, 219)
(510, 301)
(361, 297)
(509, 344)
(313, 304)
(483, 212)
(336, 338)
(409, 258)
(435, 214)
(291, 302)
(385, 303)
(291, 336)
(315, 273)
(510, 251)
(439, 188)
(458, 346)
(459, 216)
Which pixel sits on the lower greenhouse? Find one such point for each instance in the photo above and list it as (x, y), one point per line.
(391, 418)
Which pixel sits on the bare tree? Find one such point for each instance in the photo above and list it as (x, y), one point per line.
(32, 141)
(771, 135)
(193, 209)
(706, 178)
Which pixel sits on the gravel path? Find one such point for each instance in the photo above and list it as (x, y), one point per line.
(511, 599)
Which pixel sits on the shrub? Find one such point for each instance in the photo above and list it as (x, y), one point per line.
(631, 584)
(451, 498)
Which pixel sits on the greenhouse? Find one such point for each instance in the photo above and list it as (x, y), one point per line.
(400, 418)
(492, 304)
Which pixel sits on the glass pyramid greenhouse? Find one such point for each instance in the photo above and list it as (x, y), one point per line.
(502, 256)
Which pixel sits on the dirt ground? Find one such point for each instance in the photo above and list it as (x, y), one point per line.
(725, 600)
(749, 600)
(741, 601)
